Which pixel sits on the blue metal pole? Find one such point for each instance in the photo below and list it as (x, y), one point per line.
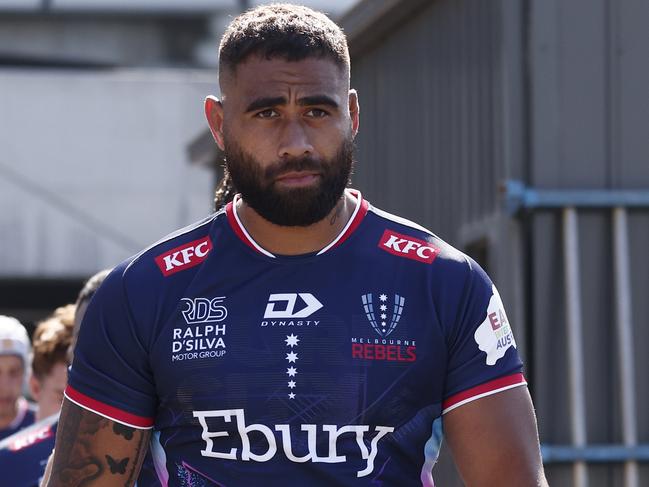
(519, 197)
(594, 453)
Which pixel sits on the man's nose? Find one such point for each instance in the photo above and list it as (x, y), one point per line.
(294, 141)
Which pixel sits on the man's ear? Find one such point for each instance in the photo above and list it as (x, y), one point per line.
(354, 111)
(214, 115)
(34, 387)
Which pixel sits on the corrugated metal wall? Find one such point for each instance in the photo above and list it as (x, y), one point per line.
(466, 94)
(590, 129)
(430, 138)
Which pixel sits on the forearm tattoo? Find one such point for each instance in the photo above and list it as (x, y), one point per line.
(92, 451)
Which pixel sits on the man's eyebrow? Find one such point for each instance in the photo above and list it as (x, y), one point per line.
(318, 100)
(269, 102)
(266, 102)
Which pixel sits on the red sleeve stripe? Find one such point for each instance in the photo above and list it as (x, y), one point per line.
(483, 390)
(110, 412)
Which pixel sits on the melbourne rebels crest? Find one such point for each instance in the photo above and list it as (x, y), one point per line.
(386, 326)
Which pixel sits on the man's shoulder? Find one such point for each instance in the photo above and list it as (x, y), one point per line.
(180, 250)
(406, 238)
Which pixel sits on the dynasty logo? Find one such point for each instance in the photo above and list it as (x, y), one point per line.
(290, 309)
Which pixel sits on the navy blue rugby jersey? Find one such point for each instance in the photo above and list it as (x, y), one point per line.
(25, 417)
(332, 368)
(24, 455)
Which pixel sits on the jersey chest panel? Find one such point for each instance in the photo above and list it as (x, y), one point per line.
(320, 361)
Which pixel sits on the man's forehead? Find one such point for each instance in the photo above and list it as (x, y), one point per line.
(277, 77)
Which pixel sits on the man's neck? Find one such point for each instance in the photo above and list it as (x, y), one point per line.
(283, 240)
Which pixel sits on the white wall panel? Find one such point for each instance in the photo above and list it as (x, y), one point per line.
(94, 166)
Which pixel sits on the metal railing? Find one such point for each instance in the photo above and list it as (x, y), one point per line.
(579, 453)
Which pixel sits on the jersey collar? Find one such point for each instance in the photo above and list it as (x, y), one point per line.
(360, 210)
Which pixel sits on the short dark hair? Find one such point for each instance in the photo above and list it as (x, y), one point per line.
(290, 32)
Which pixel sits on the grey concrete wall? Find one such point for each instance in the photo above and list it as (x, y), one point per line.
(94, 166)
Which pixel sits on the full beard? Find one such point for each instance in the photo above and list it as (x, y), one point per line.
(290, 207)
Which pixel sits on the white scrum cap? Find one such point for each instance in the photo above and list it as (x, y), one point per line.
(14, 339)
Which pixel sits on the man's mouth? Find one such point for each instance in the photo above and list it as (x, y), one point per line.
(297, 178)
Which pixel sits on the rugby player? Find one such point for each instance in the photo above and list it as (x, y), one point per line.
(16, 412)
(23, 455)
(299, 335)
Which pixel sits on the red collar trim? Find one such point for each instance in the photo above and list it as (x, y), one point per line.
(358, 215)
(239, 230)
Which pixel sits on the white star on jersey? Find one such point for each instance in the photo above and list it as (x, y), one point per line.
(291, 384)
(384, 307)
(291, 371)
(291, 357)
(383, 297)
(291, 396)
(291, 340)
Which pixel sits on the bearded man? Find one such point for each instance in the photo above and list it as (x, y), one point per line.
(299, 336)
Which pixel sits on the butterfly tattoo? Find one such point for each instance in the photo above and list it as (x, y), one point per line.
(117, 466)
(125, 431)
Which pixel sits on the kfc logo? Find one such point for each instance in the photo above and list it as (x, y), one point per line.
(406, 246)
(184, 257)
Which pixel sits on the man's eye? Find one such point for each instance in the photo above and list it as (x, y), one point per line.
(317, 113)
(269, 113)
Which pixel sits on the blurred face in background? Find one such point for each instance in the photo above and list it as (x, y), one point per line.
(48, 390)
(12, 373)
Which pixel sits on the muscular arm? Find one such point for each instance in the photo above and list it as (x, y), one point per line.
(494, 441)
(92, 451)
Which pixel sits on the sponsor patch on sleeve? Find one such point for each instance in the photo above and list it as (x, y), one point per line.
(494, 335)
(184, 256)
(407, 246)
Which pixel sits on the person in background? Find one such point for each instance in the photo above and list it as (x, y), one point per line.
(23, 455)
(50, 360)
(15, 412)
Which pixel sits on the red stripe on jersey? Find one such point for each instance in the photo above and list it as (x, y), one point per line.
(108, 411)
(484, 390)
(229, 211)
(362, 211)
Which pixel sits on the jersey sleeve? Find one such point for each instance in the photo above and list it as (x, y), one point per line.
(482, 355)
(110, 373)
